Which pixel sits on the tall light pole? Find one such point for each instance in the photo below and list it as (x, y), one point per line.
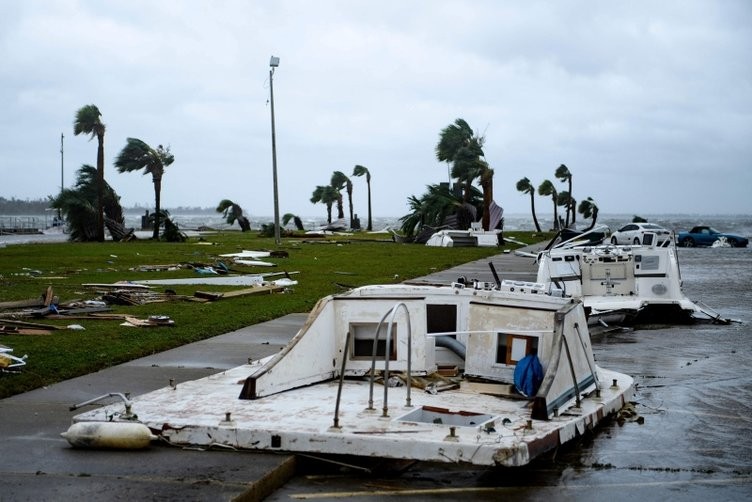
(62, 172)
(273, 63)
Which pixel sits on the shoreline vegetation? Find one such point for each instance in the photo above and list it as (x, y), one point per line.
(62, 272)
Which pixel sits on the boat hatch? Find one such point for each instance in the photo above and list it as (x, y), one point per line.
(434, 415)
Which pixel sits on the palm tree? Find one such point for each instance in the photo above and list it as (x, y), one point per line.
(296, 219)
(430, 209)
(232, 212)
(588, 209)
(328, 195)
(360, 171)
(462, 149)
(340, 181)
(88, 121)
(566, 201)
(138, 155)
(547, 189)
(486, 184)
(171, 232)
(80, 206)
(525, 186)
(563, 174)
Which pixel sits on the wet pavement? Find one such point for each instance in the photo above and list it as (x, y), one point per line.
(694, 393)
(694, 398)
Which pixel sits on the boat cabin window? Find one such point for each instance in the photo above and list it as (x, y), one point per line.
(512, 348)
(362, 340)
(441, 319)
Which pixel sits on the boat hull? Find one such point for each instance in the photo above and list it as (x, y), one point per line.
(301, 421)
(327, 392)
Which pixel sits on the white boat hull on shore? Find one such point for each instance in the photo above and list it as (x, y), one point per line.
(306, 399)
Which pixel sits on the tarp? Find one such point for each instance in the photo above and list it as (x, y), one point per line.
(528, 375)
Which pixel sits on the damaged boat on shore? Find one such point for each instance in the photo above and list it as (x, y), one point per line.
(482, 373)
(632, 284)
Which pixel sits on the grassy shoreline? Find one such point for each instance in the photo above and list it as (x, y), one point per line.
(323, 266)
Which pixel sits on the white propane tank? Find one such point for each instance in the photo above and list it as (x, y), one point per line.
(115, 435)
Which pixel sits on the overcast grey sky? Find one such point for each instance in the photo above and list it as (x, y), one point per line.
(648, 103)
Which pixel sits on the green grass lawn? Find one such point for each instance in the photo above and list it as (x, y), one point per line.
(324, 266)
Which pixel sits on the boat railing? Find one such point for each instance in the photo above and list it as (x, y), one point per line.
(391, 314)
(341, 380)
(585, 352)
(572, 371)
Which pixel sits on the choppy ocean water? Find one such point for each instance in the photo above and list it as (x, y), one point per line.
(738, 223)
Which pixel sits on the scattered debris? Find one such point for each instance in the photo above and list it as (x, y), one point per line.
(116, 285)
(227, 280)
(25, 324)
(142, 297)
(254, 263)
(266, 288)
(17, 330)
(629, 414)
(158, 268)
(151, 321)
(247, 254)
(8, 362)
(44, 300)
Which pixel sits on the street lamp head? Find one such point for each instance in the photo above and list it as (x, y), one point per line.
(274, 62)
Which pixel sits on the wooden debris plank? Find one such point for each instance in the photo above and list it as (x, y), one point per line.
(212, 296)
(15, 330)
(116, 285)
(147, 323)
(35, 302)
(30, 324)
(48, 296)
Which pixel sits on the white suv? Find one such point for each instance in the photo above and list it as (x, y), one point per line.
(633, 233)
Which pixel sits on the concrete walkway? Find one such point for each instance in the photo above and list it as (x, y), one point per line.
(37, 464)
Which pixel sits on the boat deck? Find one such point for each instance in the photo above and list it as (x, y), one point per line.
(475, 428)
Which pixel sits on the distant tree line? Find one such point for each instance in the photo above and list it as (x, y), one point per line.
(15, 206)
(18, 206)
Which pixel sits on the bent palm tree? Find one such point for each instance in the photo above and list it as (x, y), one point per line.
(525, 186)
(360, 171)
(456, 147)
(138, 155)
(233, 212)
(434, 206)
(547, 189)
(340, 181)
(296, 219)
(588, 209)
(563, 174)
(328, 195)
(88, 121)
(79, 205)
(463, 150)
(565, 200)
(171, 232)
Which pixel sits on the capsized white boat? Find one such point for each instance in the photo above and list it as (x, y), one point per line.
(451, 392)
(640, 283)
